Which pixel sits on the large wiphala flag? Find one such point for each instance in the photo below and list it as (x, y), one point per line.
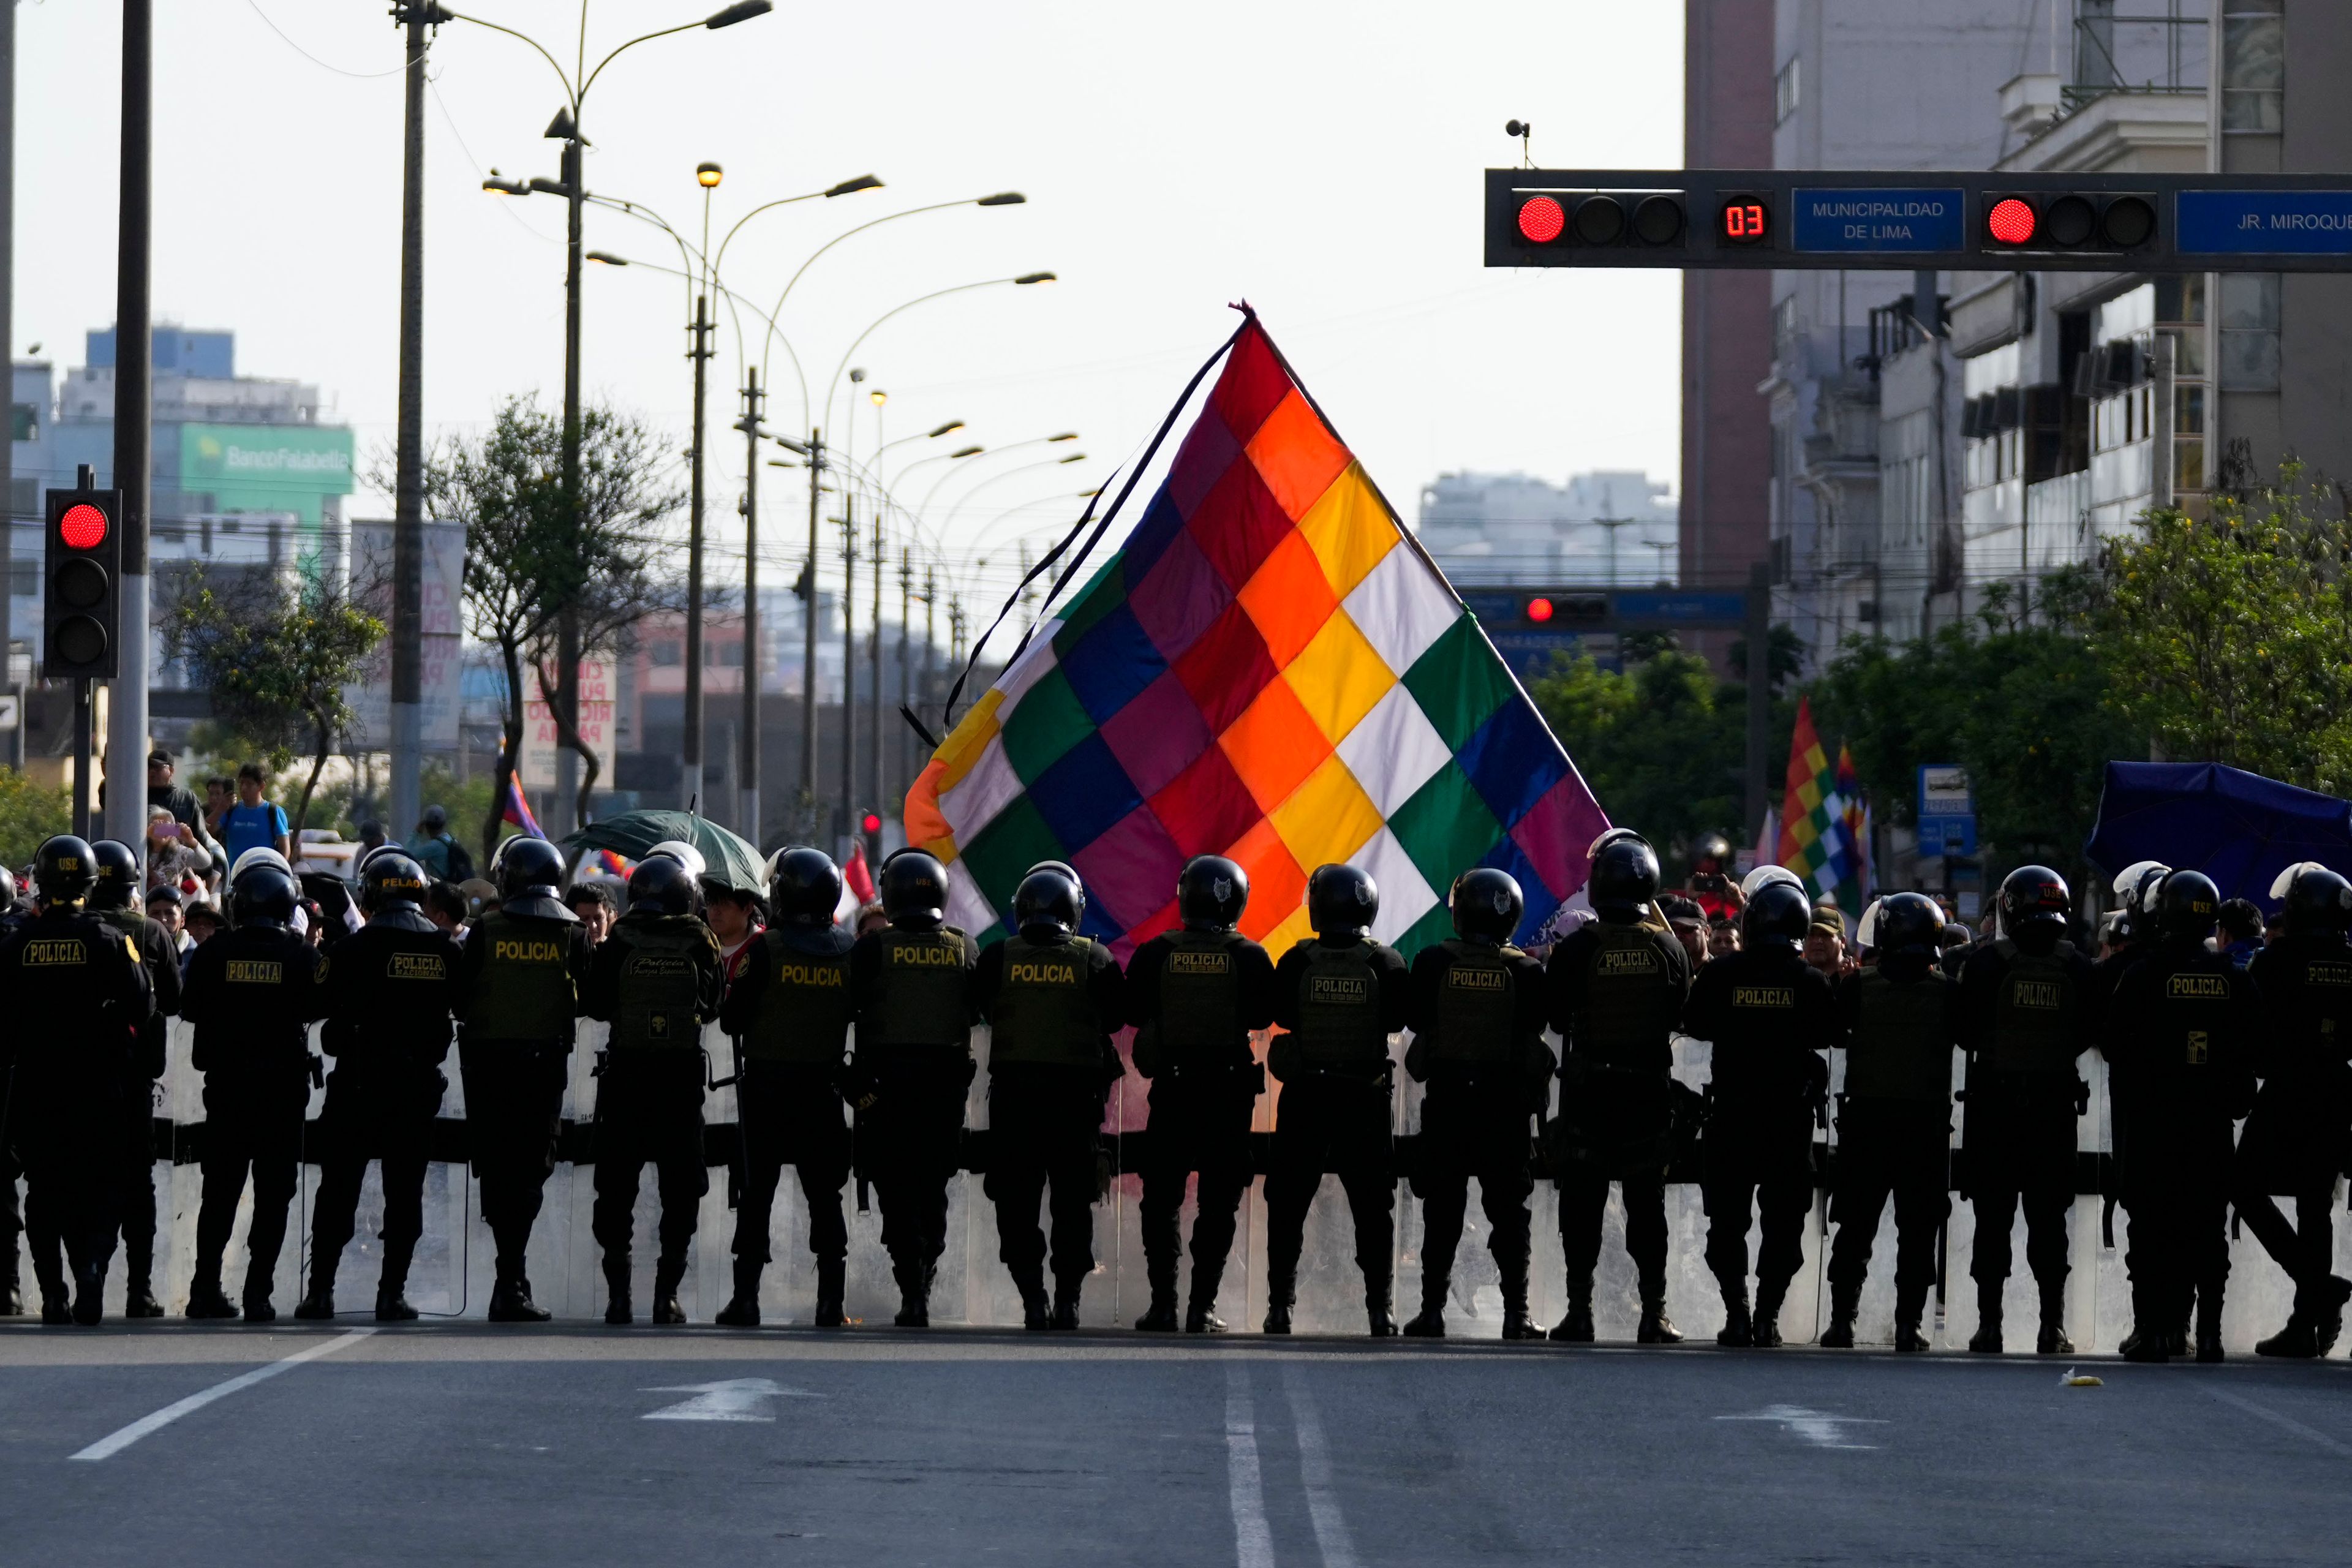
(1268, 669)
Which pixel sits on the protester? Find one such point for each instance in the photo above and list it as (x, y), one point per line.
(594, 902)
(2240, 936)
(253, 823)
(437, 849)
(1689, 921)
(174, 860)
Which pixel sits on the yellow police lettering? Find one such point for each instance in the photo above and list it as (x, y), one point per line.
(255, 972)
(2198, 988)
(56, 949)
(1033, 972)
(1764, 996)
(824, 976)
(1200, 963)
(925, 956)
(2043, 995)
(1341, 990)
(417, 966)
(2329, 973)
(515, 949)
(1623, 961)
(1460, 978)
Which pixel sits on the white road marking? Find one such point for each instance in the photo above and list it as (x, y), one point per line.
(1331, 1536)
(736, 1399)
(1253, 1542)
(2285, 1423)
(114, 1443)
(1818, 1427)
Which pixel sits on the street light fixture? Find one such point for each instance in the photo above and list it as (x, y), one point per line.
(707, 175)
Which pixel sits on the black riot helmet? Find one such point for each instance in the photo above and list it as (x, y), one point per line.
(2186, 904)
(118, 874)
(2034, 904)
(1486, 905)
(63, 870)
(1910, 925)
(389, 882)
(1625, 879)
(1047, 902)
(1712, 847)
(804, 889)
(529, 868)
(1211, 893)
(2318, 900)
(1779, 915)
(662, 885)
(1611, 835)
(1066, 868)
(264, 896)
(1340, 902)
(914, 889)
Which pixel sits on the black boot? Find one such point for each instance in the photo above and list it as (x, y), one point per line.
(1739, 1330)
(1910, 1306)
(138, 1287)
(1160, 1269)
(2208, 1326)
(742, 1308)
(1201, 1315)
(255, 1300)
(511, 1300)
(1066, 1300)
(205, 1298)
(1655, 1328)
(832, 1284)
(318, 1303)
(90, 1293)
(669, 1271)
(2148, 1341)
(1986, 1341)
(1281, 1290)
(1036, 1307)
(12, 1293)
(1429, 1323)
(1766, 1327)
(1845, 1300)
(1575, 1326)
(2051, 1339)
(1379, 1305)
(392, 1288)
(1516, 1325)
(616, 1290)
(914, 1294)
(2327, 1317)
(2298, 1339)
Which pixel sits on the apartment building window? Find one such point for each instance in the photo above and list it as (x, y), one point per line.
(1787, 86)
(2254, 67)
(2181, 318)
(667, 654)
(24, 422)
(2249, 345)
(1784, 328)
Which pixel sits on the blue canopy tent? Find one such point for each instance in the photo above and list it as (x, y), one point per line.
(2238, 828)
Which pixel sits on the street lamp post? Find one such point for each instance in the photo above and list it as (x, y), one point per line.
(708, 177)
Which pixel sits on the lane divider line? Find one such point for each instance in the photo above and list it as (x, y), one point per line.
(115, 1442)
(2285, 1423)
(1253, 1540)
(1331, 1536)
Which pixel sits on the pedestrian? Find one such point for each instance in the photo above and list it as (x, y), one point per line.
(1339, 995)
(1615, 991)
(180, 803)
(733, 914)
(388, 992)
(252, 994)
(252, 822)
(1689, 924)
(1475, 1007)
(518, 992)
(113, 900)
(1052, 999)
(174, 858)
(220, 794)
(787, 1009)
(2239, 935)
(204, 922)
(656, 981)
(169, 910)
(373, 838)
(1722, 935)
(1195, 995)
(437, 849)
(1825, 943)
(911, 984)
(447, 907)
(593, 904)
(1769, 1015)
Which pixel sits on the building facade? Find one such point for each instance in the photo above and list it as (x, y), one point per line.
(1608, 527)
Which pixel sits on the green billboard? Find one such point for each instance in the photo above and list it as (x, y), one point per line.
(266, 467)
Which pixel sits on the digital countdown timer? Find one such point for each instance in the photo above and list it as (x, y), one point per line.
(1746, 220)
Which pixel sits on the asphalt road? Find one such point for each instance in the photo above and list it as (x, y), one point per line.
(465, 1444)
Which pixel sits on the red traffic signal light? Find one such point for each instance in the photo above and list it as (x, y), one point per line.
(1541, 219)
(2010, 222)
(83, 527)
(2068, 220)
(871, 822)
(1603, 218)
(1540, 611)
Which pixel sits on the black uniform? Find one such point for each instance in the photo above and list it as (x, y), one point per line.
(1051, 1003)
(1770, 1018)
(656, 981)
(913, 993)
(2023, 1018)
(252, 993)
(159, 957)
(1898, 1020)
(389, 989)
(12, 1213)
(1337, 1005)
(788, 1009)
(1476, 1013)
(1616, 992)
(2181, 1032)
(517, 993)
(1194, 997)
(77, 999)
(2295, 1140)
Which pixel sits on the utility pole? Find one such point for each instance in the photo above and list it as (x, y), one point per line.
(906, 658)
(408, 485)
(562, 818)
(126, 719)
(873, 656)
(13, 747)
(931, 638)
(808, 645)
(848, 662)
(690, 746)
(747, 814)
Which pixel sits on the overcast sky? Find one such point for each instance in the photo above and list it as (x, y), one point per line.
(1321, 160)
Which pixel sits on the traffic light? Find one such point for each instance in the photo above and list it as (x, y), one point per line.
(1558, 612)
(869, 824)
(2067, 220)
(1594, 220)
(82, 595)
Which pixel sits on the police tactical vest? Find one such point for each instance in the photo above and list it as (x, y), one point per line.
(1476, 1006)
(1199, 1015)
(804, 1015)
(660, 986)
(524, 989)
(923, 996)
(1628, 987)
(1340, 1027)
(2034, 1027)
(1042, 1013)
(1902, 1042)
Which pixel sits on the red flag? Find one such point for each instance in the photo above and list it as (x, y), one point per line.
(856, 878)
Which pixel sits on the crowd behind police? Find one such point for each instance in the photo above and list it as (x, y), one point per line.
(828, 1025)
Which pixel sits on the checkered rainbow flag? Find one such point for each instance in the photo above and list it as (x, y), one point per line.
(1816, 840)
(1269, 669)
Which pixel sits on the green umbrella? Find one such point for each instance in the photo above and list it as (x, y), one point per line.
(633, 834)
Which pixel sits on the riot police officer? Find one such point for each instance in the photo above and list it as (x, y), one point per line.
(112, 900)
(389, 986)
(2180, 1032)
(1616, 990)
(656, 981)
(15, 911)
(1338, 996)
(252, 993)
(1194, 995)
(1476, 1006)
(1051, 998)
(1770, 1018)
(788, 1010)
(2294, 1142)
(912, 983)
(517, 993)
(1898, 1019)
(2026, 1004)
(77, 998)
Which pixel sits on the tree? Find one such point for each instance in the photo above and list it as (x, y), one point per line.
(29, 814)
(527, 562)
(277, 655)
